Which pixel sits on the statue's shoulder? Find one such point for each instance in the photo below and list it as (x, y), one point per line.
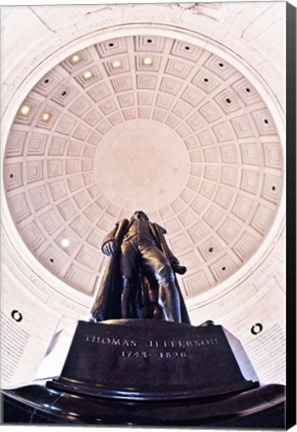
(122, 225)
(122, 222)
(159, 228)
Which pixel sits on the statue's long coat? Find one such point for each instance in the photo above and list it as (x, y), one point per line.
(107, 304)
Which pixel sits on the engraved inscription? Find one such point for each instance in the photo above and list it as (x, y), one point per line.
(135, 354)
(183, 343)
(168, 349)
(154, 355)
(172, 355)
(110, 341)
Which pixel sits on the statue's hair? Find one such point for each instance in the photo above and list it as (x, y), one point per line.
(140, 212)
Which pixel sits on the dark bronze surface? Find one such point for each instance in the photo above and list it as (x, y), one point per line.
(139, 280)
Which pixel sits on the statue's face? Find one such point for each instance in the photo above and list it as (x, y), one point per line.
(139, 215)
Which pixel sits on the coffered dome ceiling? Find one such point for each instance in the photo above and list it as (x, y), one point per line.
(175, 109)
(147, 122)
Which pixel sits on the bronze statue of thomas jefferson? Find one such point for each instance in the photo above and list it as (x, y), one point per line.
(139, 280)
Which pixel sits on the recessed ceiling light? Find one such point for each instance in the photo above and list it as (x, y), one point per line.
(25, 109)
(87, 75)
(147, 61)
(65, 242)
(75, 58)
(116, 64)
(46, 116)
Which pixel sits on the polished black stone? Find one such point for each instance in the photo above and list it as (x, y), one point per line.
(257, 408)
(150, 360)
(101, 384)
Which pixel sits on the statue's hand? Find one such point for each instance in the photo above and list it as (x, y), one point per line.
(110, 248)
(180, 269)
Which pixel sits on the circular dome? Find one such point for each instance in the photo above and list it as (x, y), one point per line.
(147, 123)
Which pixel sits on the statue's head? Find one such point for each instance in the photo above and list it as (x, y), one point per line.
(139, 215)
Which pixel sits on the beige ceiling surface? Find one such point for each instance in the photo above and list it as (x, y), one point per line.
(151, 123)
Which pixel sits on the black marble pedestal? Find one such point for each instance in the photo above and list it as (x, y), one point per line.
(150, 373)
(150, 360)
(259, 408)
